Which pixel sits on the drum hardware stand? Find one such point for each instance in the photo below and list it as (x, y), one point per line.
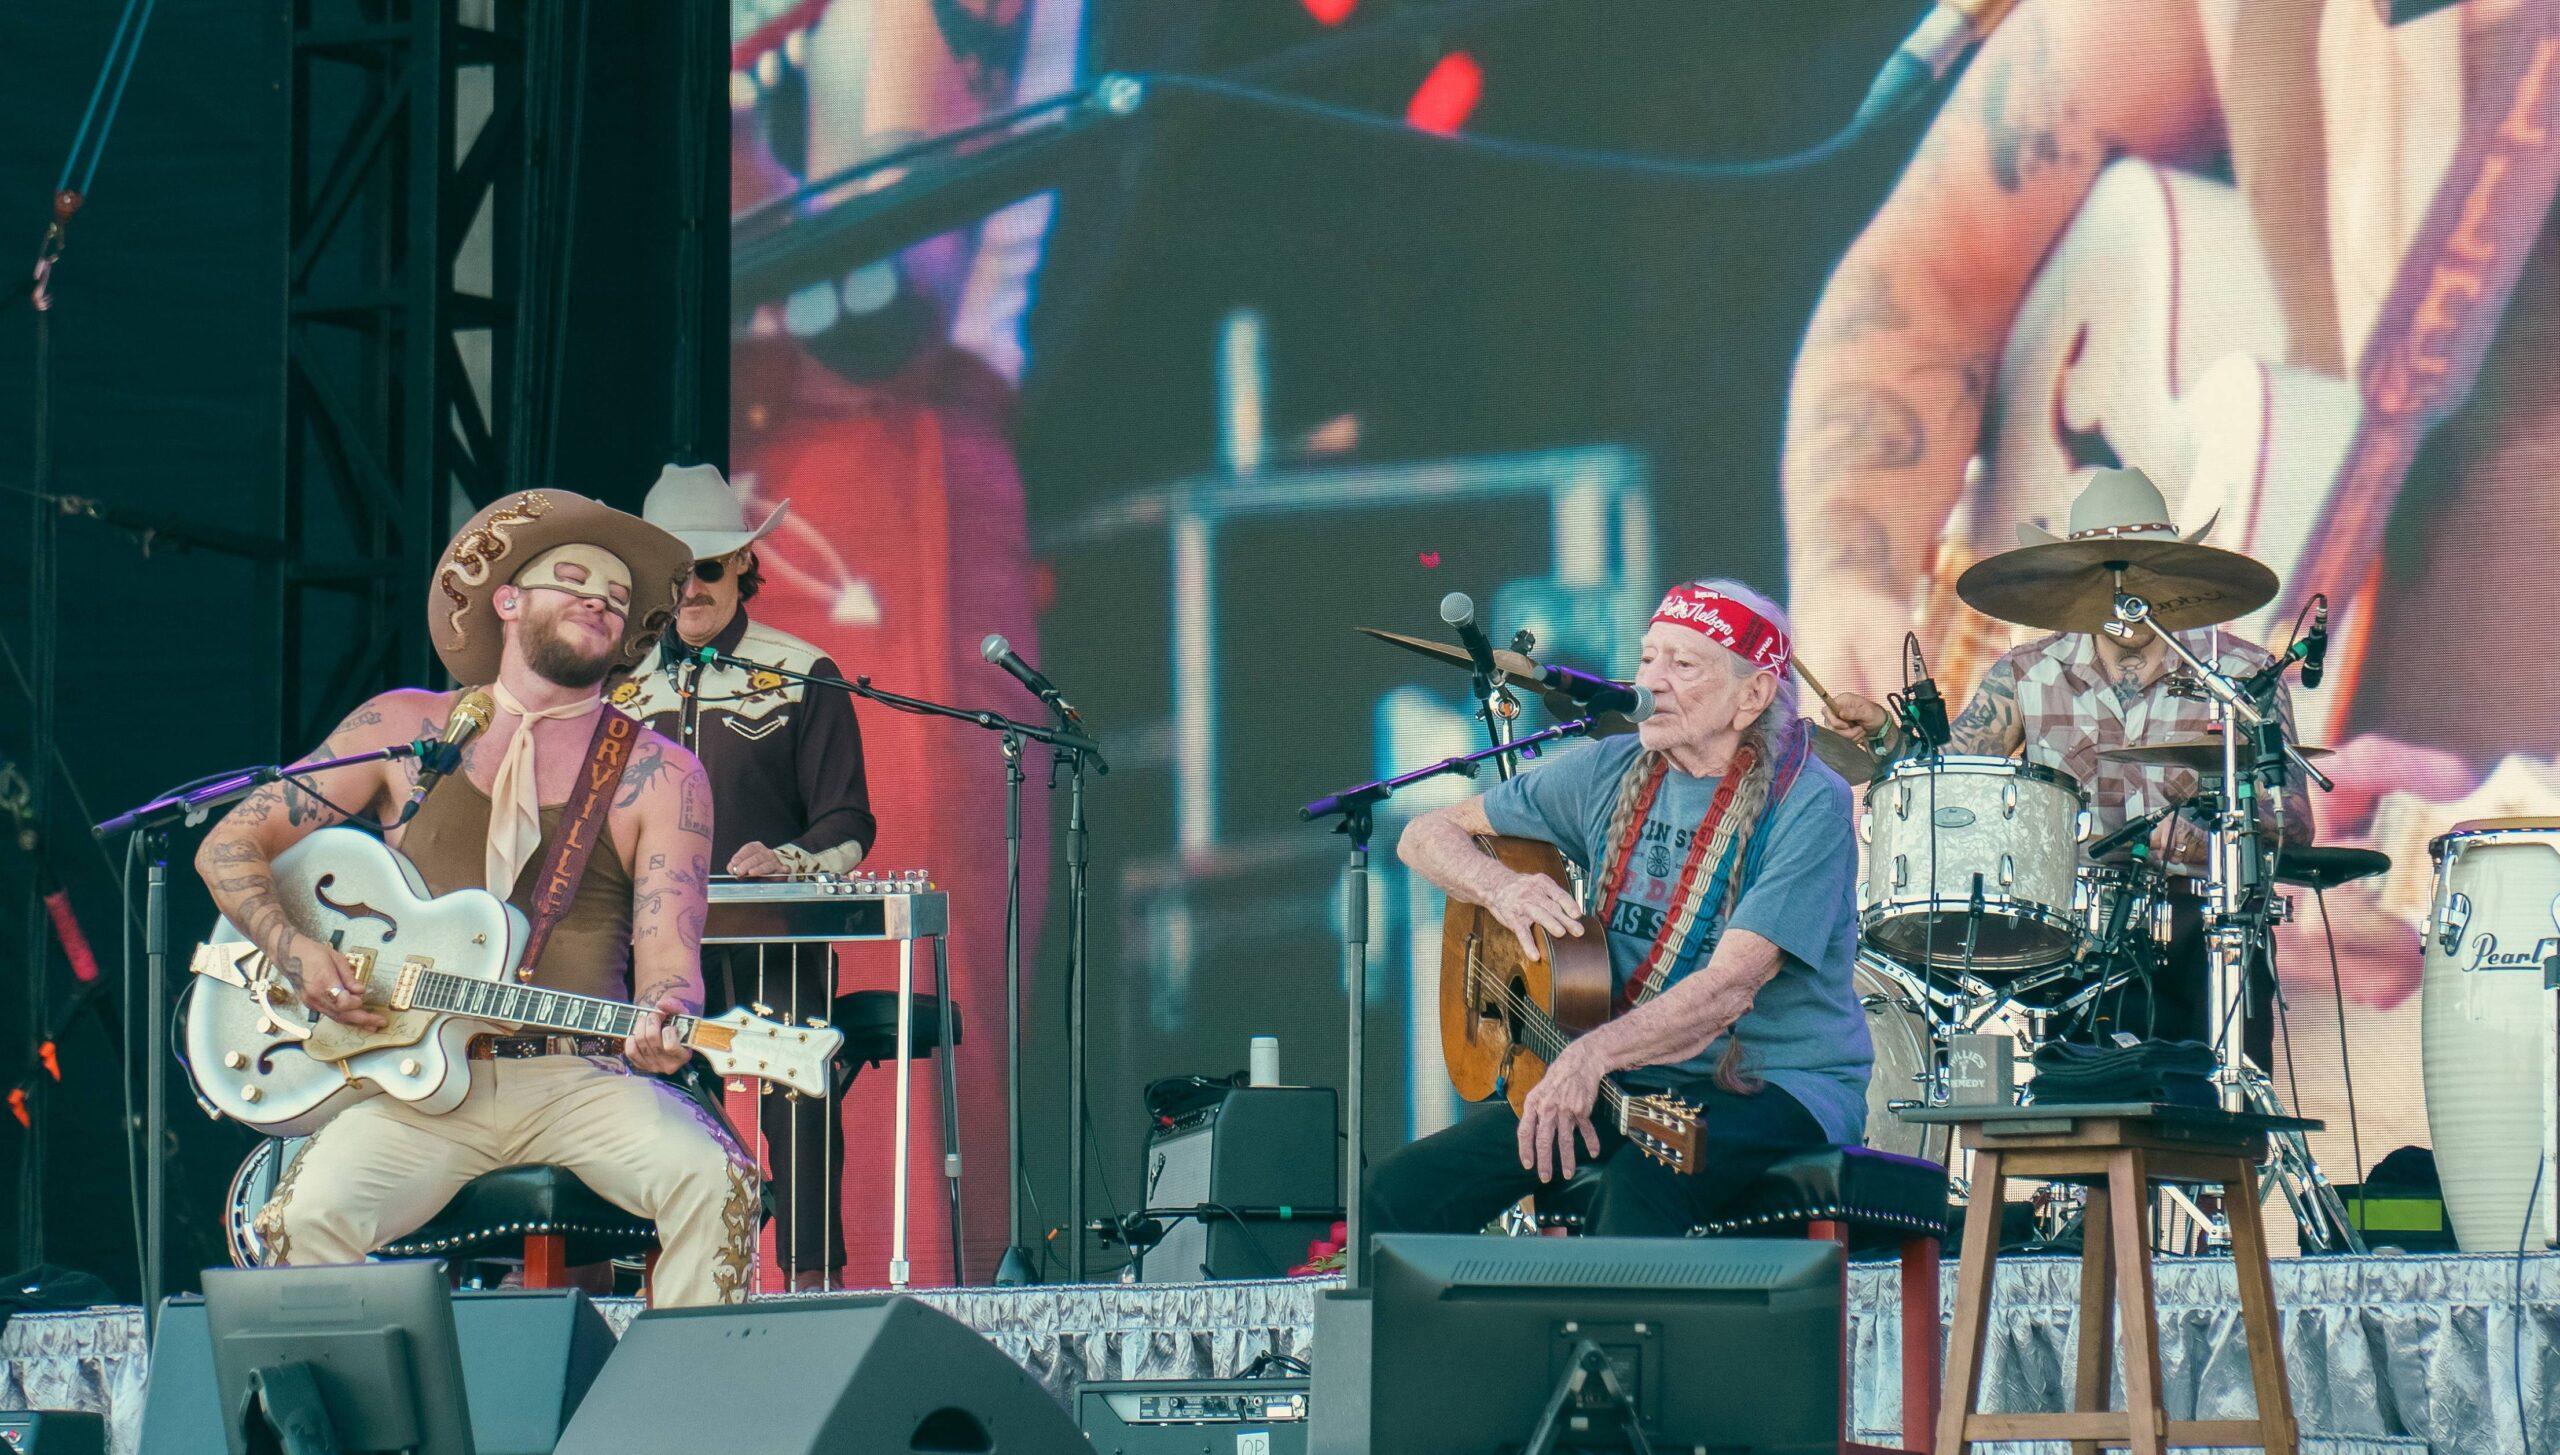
(2239, 917)
(1356, 807)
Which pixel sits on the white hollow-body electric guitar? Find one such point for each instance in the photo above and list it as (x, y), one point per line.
(440, 969)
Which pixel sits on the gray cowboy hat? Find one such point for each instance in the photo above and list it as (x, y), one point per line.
(2116, 504)
(697, 505)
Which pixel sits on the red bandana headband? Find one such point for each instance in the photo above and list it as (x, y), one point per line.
(1729, 624)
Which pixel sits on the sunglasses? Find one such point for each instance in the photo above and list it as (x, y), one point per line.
(711, 570)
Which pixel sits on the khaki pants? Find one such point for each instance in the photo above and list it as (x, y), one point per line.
(381, 1169)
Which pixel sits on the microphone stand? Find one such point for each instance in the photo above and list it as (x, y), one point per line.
(1019, 1264)
(1357, 808)
(151, 823)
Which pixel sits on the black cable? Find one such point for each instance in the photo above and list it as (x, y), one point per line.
(1582, 158)
(1260, 1254)
(2346, 1058)
(2515, 1330)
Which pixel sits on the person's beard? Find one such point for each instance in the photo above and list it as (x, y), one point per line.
(554, 657)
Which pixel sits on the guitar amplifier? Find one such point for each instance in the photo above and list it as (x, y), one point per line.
(1194, 1416)
(1256, 1147)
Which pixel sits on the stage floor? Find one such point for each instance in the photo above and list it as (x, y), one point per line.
(2434, 1348)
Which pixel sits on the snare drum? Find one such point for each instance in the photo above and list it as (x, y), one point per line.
(2486, 1028)
(1949, 836)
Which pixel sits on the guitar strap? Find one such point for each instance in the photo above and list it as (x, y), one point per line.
(582, 825)
(2452, 289)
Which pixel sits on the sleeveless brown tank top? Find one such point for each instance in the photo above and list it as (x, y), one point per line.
(590, 948)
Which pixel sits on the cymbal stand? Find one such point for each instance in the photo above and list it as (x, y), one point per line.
(2240, 915)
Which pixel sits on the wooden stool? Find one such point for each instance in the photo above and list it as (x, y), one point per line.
(2124, 1148)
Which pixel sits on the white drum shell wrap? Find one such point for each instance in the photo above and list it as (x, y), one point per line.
(2486, 1025)
(1932, 826)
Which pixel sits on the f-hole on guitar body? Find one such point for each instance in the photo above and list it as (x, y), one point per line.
(1505, 1015)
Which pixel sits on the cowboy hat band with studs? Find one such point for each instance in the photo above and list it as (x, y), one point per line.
(697, 505)
(507, 539)
(2115, 504)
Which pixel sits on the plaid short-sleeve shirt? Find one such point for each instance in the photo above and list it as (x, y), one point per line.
(2069, 710)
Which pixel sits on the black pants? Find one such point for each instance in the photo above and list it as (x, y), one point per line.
(804, 1138)
(1461, 1177)
(2175, 1001)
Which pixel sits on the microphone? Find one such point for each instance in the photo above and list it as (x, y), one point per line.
(1634, 703)
(1926, 710)
(470, 715)
(1000, 653)
(1947, 34)
(2315, 645)
(1459, 610)
(2132, 830)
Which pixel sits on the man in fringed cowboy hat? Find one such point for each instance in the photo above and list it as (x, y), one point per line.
(1719, 851)
(2059, 699)
(785, 764)
(541, 595)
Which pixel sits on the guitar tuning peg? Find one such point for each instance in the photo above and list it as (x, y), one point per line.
(760, 1008)
(790, 1095)
(735, 1086)
(814, 1023)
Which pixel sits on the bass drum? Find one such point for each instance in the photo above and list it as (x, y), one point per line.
(1899, 1027)
(251, 1189)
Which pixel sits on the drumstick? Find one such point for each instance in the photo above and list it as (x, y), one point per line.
(1815, 683)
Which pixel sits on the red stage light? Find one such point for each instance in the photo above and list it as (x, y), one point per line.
(1330, 12)
(1448, 96)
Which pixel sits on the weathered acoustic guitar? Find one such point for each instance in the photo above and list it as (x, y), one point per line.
(1504, 1016)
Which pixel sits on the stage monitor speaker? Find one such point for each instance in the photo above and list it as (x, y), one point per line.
(1255, 1147)
(53, 1432)
(816, 1376)
(528, 1357)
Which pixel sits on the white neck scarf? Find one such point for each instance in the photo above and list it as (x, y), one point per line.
(515, 795)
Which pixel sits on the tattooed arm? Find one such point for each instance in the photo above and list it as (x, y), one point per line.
(236, 858)
(1887, 403)
(1990, 725)
(669, 900)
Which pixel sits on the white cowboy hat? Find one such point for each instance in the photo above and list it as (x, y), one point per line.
(697, 505)
(2113, 504)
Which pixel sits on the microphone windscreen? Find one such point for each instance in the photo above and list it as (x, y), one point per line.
(1644, 705)
(1458, 609)
(994, 647)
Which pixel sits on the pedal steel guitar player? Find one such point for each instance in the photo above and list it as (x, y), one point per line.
(786, 773)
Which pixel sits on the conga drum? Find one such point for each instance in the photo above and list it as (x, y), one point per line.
(2487, 1027)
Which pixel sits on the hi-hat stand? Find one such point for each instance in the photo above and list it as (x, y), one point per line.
(2241, 911)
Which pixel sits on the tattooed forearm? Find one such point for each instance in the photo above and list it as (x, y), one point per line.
(1858, 303)
(674, 987)
(1990, 722)
(1863, 425)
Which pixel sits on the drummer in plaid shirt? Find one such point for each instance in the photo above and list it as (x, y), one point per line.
(2060, 699)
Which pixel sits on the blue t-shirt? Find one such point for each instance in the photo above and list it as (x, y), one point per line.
(1806, 1032)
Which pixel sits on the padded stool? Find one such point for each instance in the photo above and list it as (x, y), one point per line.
(540, 1213)
(869, 1020)
(1863, 1199)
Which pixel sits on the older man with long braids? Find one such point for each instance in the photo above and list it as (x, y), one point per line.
(1719, 852)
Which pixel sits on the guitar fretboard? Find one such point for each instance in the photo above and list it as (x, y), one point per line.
(556, 1010)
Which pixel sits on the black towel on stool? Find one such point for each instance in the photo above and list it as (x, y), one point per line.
(2178, 1073)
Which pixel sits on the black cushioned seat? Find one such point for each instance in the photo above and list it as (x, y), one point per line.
(869, 1020)
(493, 1214)
(1882, 1197)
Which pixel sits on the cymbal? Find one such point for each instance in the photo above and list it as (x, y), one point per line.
(2203, 755)
(2327, 868)
(1846, 755)
(1512, 663)
(1521, 668)
(2071, 585)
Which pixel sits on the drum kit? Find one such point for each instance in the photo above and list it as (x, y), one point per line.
(1985, 905)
